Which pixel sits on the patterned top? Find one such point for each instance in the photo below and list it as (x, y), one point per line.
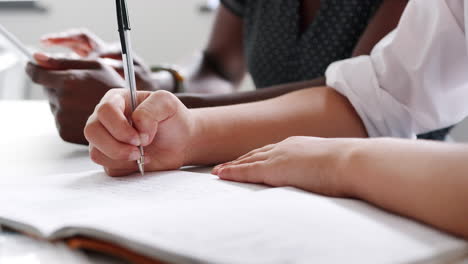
(278, 52)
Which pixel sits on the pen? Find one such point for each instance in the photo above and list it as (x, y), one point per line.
(16, 43)
(129, 71)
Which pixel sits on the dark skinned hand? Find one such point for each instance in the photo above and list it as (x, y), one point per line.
(75, 86)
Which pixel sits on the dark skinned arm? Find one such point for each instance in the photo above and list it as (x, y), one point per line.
(384, 21)
(220, 68)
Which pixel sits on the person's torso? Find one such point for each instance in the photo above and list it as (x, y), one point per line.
(279, 51)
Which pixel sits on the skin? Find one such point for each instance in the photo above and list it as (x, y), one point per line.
(173, 136)
(113, 140)
(211, 77)
(428, 185)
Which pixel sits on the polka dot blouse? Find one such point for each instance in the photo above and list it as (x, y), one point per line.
(278, 52)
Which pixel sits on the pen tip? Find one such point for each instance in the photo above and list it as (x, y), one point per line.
(141, 169)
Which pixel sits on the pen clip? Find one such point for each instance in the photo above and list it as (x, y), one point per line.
(122, 22)
(125, 17)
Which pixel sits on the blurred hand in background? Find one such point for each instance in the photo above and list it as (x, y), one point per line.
(75, 83)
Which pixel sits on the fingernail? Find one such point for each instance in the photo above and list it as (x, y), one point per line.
(135, 142)
(41, 57)
(144, 139)
(215, 170)
(135, 155)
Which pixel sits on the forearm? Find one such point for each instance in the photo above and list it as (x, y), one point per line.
(225, 133)
(211, 100)
(202, 75)
(384, 21)
(422, 180)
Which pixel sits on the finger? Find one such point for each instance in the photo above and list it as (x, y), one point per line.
(76, 40)
(260, 156)
(100, 158)
(255, 151)
(119, 173)
(112, 55)
(156, 108)
(98, 136)
(111, 114)
(64, 64)
(48, 78)
(116, 65)
(117, 55)
(249, 172)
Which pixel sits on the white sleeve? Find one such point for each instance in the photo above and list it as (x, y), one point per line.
(416, 79)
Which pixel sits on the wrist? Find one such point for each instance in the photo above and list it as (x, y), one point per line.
(197, 138)
(349, 159)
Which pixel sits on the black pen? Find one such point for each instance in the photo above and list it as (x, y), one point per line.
(129, 70)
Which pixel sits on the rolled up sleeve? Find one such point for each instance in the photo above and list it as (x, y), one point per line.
(415, 80)
(381, 114)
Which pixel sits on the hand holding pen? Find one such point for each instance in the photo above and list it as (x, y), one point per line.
(129, 70)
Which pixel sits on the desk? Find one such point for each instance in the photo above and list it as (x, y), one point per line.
(30, 145)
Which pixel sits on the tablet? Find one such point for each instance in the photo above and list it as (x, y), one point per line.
(16, 43)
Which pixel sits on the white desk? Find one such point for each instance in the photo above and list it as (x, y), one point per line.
(30, 145)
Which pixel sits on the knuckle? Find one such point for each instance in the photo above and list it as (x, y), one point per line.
(103, 110)
(115, 173)
(142, 114)
(115, 92)
(95, 156)
(90, 130)
(166, 98)
(228, 171)
(121, 153)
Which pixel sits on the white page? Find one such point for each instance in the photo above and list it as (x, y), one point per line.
(54, 201)
(285, 226)
(202, 218)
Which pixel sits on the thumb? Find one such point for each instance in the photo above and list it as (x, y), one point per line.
(156, 108)
(51, 63)
(80, 41)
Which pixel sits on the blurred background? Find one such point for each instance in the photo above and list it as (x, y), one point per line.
(162, 31)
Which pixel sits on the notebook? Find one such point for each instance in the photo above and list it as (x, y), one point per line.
(185, 217)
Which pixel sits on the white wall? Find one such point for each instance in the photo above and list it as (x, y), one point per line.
(163, 30)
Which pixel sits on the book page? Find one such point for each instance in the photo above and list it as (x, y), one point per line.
(187, 217)
(282, 225)
(56, 201)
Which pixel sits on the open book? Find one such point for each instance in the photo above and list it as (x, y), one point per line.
(185, 217)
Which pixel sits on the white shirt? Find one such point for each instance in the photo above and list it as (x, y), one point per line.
(416, 79)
